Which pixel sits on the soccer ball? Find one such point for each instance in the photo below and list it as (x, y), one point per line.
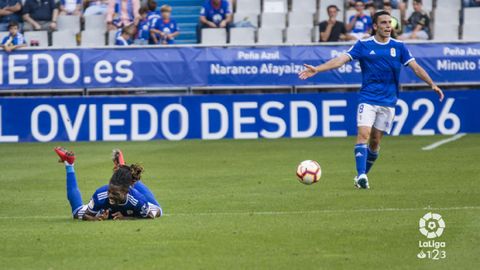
(309, 172)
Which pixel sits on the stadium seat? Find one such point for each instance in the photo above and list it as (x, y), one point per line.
(275, 6)
(96, 22)
(248, 6)
(242, 36)
(214, 36)
(93, 38)
(112, 34)
(299, 35)
(471, 15)
(247, 17)
(70, 23)
(300, 19)
(446, 16)
(445, 32)
(304, 6)
(274, 20)
(449, 4)
(268, 36)
(64, 39)
(323, 15)
(396, 13)
(316, 33)
(41, 38)
(471, 33)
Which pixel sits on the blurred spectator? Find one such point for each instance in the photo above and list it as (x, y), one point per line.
(121, 13)
(214, 14)
(143, 28)
(332, 30)
(165, 30)
(417, 26)
(359, 24)
(14, 40)
(9, 11)
(351, 3)
(70, 7)
(95, 7)
(40, 15)
(396, 23)
(124, 37)
(153, 15)
(471, 3)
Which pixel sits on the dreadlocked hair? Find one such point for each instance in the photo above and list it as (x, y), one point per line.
(136, 170)
(122, 177)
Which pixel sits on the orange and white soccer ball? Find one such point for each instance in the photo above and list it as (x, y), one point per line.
(309, 172)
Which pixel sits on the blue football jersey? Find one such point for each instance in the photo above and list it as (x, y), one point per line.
(13, 40)
(135, 206)
(215, 14)
(381, 64)
(169, 27)
(143, 30)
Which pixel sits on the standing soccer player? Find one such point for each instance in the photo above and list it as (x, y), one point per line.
(381, 58)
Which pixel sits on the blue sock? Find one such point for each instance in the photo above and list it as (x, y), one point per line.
(142, 188)
(361, 158)
(371, 157)
(73, 193)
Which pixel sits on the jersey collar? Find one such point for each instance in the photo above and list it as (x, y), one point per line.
(381, 43)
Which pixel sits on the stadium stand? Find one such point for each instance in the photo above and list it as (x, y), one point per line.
(214, 36)
(275, 6)
(95, 22)
(298, 35)
(268, 36)
(300, 19)
(273, 20)
(242, 36)
(304, 5)
(251, 18)
(64, 39)
(93, 38)
(471, 24)
(69, 23)
(248, 6)
(36, 38)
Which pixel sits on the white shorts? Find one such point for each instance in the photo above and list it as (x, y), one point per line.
(379, 117)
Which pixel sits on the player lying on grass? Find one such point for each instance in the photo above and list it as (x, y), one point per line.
(125, 197)
(381, 58)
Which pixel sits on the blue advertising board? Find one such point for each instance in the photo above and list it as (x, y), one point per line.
(226, 116)
(195, 66)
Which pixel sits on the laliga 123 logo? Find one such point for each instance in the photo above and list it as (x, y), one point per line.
(432, 225)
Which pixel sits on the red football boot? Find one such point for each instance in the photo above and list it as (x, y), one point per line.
(65, 155)
(117, 157)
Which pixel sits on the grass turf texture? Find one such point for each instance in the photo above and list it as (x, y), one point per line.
(238, 205)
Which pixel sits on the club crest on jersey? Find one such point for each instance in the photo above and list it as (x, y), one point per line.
(393, 52)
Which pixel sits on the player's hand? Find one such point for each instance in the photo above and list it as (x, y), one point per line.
(117, 216)
(103, 216)
(438, 91)
(223, 24)
(308, 72)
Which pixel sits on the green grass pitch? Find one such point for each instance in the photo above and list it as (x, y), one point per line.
(237, 205)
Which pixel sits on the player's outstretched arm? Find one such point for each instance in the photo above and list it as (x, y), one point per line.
(422, 74)
(311, 71)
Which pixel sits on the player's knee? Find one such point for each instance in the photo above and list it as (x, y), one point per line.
(362, 137)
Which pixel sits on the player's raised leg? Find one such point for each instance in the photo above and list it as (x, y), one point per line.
(373, 147)
(73, 192)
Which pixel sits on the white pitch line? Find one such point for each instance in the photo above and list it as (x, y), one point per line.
(275, 213)
(437, 144)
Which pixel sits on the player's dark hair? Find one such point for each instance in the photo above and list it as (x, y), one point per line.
(12, 24)
(122, 177)
(152, 5)
(143, 10)
(418, 1)
(136, 170)
(375, 19)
